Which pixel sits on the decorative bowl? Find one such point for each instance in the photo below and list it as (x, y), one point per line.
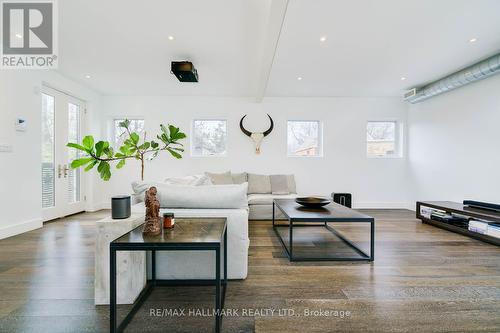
(313, 202)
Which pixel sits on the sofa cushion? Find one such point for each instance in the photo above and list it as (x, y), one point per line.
(267, 199)
(184, 196)
(224, 178)
(259, 184)
(279, 184)
(239, 178)
(292, 188)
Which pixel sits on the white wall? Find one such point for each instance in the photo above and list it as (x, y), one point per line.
(344, 167)
(454, 144)
(20, 175)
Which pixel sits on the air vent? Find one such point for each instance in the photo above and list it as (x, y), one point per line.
(410, 93)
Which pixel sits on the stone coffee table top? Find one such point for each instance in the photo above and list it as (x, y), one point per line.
(187, 230)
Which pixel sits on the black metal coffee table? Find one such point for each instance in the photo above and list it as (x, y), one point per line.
(300, 216)
(189, 234)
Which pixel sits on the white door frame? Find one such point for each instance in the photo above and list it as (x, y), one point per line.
(63, 206)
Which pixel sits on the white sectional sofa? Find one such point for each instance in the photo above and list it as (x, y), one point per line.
(262, 190)
(237, 197)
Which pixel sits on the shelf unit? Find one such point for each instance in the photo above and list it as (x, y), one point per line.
(458, 208)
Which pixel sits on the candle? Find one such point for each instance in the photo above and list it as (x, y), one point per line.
(168, 220)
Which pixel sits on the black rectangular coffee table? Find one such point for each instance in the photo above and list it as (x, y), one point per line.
(189, 234)
(300, 216)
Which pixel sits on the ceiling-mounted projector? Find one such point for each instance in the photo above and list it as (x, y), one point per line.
(184, 71)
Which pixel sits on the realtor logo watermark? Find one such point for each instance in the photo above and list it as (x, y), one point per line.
(29, 34)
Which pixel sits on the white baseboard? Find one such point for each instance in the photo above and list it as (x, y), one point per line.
(384, 205)
(356, 205)
(19, 228)
(98, 206)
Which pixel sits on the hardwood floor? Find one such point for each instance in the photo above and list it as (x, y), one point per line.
(424, 279)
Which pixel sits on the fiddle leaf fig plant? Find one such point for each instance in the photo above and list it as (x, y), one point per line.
(101, 154)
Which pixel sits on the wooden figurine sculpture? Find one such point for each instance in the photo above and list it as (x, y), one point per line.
(153, 222)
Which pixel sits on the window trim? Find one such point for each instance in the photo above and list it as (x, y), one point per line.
(398, 139)
(191, 145)
(320, 138)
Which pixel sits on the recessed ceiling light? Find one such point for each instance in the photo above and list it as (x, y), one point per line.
(299, 78)
(87, 76)
(473, 40)
(322, 39)
(403, 78)
(19, 36)
(171, 37)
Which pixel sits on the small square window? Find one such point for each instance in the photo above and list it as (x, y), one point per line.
(383, 139)
(136, 125)
(304, 138)
(209, 138)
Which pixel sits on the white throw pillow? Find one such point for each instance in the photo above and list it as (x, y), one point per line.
(195, 180)
(224, 178)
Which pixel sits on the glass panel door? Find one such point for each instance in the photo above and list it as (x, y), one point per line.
(62, 187)
(48, 151)
(74, 135)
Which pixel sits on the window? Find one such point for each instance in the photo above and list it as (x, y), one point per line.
(136, 125)
(304, 138)
(209, 138)
(382, 139)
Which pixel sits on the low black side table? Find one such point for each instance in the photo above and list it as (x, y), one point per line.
(189, 234)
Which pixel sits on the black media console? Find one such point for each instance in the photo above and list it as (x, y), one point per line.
(424, 209)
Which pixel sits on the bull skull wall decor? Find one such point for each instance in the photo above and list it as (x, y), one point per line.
(257, 137)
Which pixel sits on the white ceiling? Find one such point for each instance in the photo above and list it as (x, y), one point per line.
(124, 45)
(370, 45)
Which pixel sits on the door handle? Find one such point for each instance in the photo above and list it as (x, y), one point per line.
(65, 169)
(59, 171)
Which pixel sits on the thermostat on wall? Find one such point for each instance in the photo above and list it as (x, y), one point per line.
(20, 125)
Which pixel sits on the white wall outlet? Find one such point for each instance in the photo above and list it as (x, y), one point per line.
(21, 125)
(5, 148)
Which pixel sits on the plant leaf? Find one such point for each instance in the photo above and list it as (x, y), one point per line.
(109, 152)
(174, 153)
(154, 144)
(100, 147)
(91, 165)
(102, 165)
(124, 149)
(120, 164)
(76, 146)
(173, 130)
(145, 145)
(81, 161)
(88, 142)
(104, 170)
(180, 135)
(135, 137)
(124, 124)
(106, 175)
